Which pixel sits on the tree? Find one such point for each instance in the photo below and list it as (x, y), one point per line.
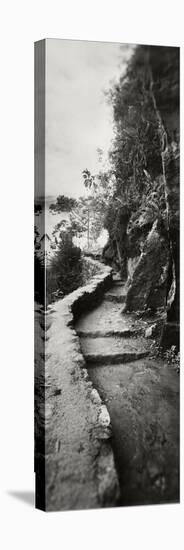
(63, 204)
(64, 274)
(90, 185)
(87, 217)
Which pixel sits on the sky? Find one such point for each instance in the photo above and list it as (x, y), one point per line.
(78, 117)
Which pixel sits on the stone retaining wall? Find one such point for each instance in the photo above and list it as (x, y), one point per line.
(79, 464)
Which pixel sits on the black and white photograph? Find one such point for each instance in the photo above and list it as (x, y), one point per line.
(107, 275)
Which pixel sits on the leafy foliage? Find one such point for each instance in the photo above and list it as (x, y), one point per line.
(88, 215)
(63, 203)
(173, 357)
(65, 272)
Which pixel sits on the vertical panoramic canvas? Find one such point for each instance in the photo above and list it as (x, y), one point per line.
(107, 357)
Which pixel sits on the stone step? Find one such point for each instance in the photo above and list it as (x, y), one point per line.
(106, 317)
(116, 294)
(124, 333)
(119, 282)
(117, 298)
(116, 277)
(113, 350)
(114, 359)
(117, 290)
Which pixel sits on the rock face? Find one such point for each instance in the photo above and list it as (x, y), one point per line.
(153, 277)
(171, 161)
(166, 77)
(148, 285)
(115, 251)
(147, 184)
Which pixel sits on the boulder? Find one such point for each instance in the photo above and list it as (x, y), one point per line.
(148, 286)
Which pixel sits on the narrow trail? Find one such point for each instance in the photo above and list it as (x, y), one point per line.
(142, 397)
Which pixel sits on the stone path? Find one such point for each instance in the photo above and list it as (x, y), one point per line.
(74, 461)
(142, 396)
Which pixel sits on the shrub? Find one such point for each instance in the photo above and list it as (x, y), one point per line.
(65, 272)
(173, 358)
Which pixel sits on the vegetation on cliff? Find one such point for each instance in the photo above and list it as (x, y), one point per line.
(145, 163)
(135, 156)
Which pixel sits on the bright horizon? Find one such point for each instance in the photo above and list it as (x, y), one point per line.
(78, 117)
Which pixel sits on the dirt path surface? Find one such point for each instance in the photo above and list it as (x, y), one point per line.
(142, 397)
